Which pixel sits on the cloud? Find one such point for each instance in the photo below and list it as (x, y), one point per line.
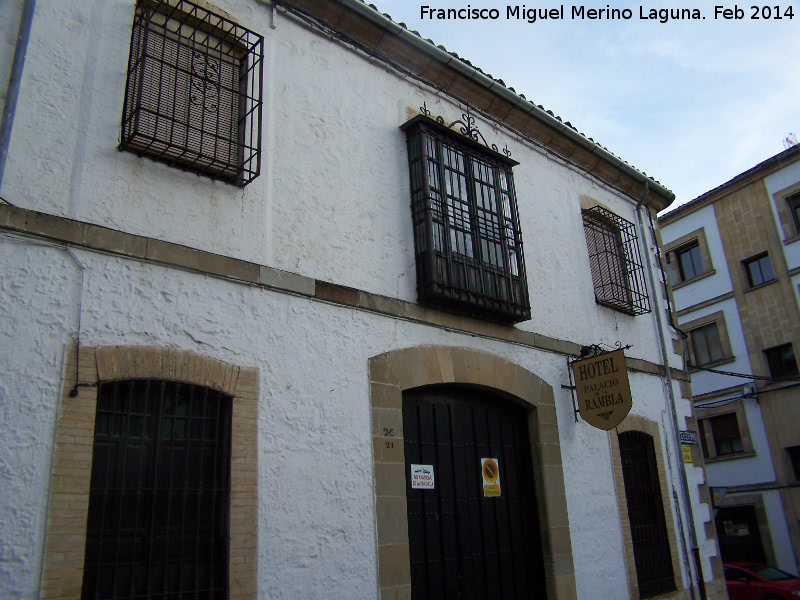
(692, 103)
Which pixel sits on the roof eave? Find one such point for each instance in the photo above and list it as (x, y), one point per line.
(394, 42)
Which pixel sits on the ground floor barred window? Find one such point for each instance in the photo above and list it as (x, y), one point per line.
(160, 492)
(650, 537)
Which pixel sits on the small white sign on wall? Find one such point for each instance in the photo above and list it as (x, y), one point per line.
(422, 477)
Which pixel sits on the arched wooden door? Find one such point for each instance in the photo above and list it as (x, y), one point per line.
(467, 542)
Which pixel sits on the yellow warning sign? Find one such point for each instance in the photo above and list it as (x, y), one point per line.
(687, 454)
(490, 473)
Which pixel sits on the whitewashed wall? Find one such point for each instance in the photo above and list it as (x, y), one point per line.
(316, 518)
(9, 27)
(333, 199)
(332, 203)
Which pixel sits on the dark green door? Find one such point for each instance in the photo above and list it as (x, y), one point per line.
(463, 543)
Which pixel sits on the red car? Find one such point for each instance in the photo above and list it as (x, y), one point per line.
(752, 581)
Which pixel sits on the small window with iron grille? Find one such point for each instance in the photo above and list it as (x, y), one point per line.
(193, 92)
(615, 262)
(467, 237)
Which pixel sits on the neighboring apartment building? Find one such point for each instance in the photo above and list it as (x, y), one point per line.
(733, 256)
(300, 325)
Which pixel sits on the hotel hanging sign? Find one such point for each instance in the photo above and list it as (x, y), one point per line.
(603, 390)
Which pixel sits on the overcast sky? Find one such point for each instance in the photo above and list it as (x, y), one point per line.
(692, 103)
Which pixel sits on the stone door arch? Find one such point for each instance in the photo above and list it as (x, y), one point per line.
(392, 373)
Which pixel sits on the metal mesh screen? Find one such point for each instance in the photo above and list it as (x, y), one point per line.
(466, 229)
(158, 503)
(617, 271)
(193, 93)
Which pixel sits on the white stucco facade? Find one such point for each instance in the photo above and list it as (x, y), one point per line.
(331, 205)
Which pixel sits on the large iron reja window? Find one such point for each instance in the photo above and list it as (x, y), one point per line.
(193, 92)
(467, 237)
(616, 265)
(159, 494)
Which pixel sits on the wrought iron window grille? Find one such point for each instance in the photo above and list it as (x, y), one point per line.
(468, 243)
(159, 496)
(649, 532)
(615, 261)
(467, 128)
(193, 91)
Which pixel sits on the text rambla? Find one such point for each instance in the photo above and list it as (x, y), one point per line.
(581, 13)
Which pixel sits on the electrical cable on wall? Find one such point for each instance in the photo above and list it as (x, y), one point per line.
(744, 375)
(14, 239)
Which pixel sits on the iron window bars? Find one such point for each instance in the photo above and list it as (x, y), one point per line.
(467, 238)
(649, 533)
(158, 515)
(616, 265)
(193, 91)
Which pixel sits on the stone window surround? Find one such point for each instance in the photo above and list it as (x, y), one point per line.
(722, 329)
(698, 236)
(757, 258)
(765, 352)
(65, 538)
(404, 369)
(781, 200)
(744, 430)
(637, 423)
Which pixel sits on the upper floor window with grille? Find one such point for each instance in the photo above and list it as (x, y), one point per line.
(781, 361)
(467, 237)
(759, 270)
(615, 262)
(193, 92)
